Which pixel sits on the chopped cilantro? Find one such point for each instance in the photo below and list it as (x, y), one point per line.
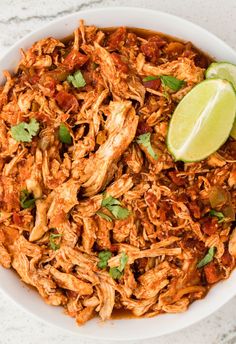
(64, 134)
(150, 78)
(114, 206)
(54, 246)
(145, 140)
(27, 199)
(217, 214)
(77, 79)
(171, 82)
(104, 216)
(104, 256)
(207, 259)
(117, 272)
(24, 132)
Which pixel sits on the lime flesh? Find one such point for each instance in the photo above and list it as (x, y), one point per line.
(202, 121)
(227, 71)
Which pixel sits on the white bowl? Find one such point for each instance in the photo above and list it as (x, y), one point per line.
(124, 329)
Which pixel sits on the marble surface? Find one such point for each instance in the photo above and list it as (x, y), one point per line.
(17, 18)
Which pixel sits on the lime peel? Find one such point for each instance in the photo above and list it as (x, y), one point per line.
(226, 71)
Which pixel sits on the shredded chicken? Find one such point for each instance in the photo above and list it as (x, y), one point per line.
(96, 220)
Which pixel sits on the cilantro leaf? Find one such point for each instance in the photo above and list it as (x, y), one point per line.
(114, 206)
(33, 127)
(217, 214)
(117, 272)
(207, 259)
(110, 201)
(77, 79)
(167, 81)
(27, 199)
(25, 131)
(171, 82)
(123, 261)
(149, 78)
(145, 140)
(54, 246)
(64, 134)
(118, 212)
(104, 216)
(104, 256)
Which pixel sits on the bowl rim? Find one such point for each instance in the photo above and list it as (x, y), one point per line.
(97, 11)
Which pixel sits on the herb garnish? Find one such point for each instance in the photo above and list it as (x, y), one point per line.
(27, 199)
(54, 246)
(77, 79)
(104, 256)
(171, 82)
(217, 214)
(145, 140)
(208, 258)
(24, 132)
(167, 81)
(117, 272)
(114, 206)
(150, 78)
(104, 216)
(64, 134)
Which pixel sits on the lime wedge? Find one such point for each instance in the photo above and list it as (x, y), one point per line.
(202, 121)
(227, 71)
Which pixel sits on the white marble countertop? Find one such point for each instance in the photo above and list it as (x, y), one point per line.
(17, 18)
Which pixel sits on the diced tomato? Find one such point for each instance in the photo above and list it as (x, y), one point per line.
(143, 128)
(151, 49)
(117, 38)
(153, 84)
(174, 49)
(194, 244)
(120, 63)
(75, 59)
(114, 247)
(16, 219)
(212, 272)
(209, 225)
(226, 259)
(67, 101)
(160, 42)
(71, 294)
(201, 61)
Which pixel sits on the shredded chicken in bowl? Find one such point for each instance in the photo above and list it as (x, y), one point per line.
(95, 212)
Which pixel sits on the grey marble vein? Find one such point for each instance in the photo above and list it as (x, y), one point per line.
(71, 9)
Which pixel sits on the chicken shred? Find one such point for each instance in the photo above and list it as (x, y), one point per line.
(90, 217)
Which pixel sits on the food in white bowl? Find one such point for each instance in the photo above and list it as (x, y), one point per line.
(97, 213)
